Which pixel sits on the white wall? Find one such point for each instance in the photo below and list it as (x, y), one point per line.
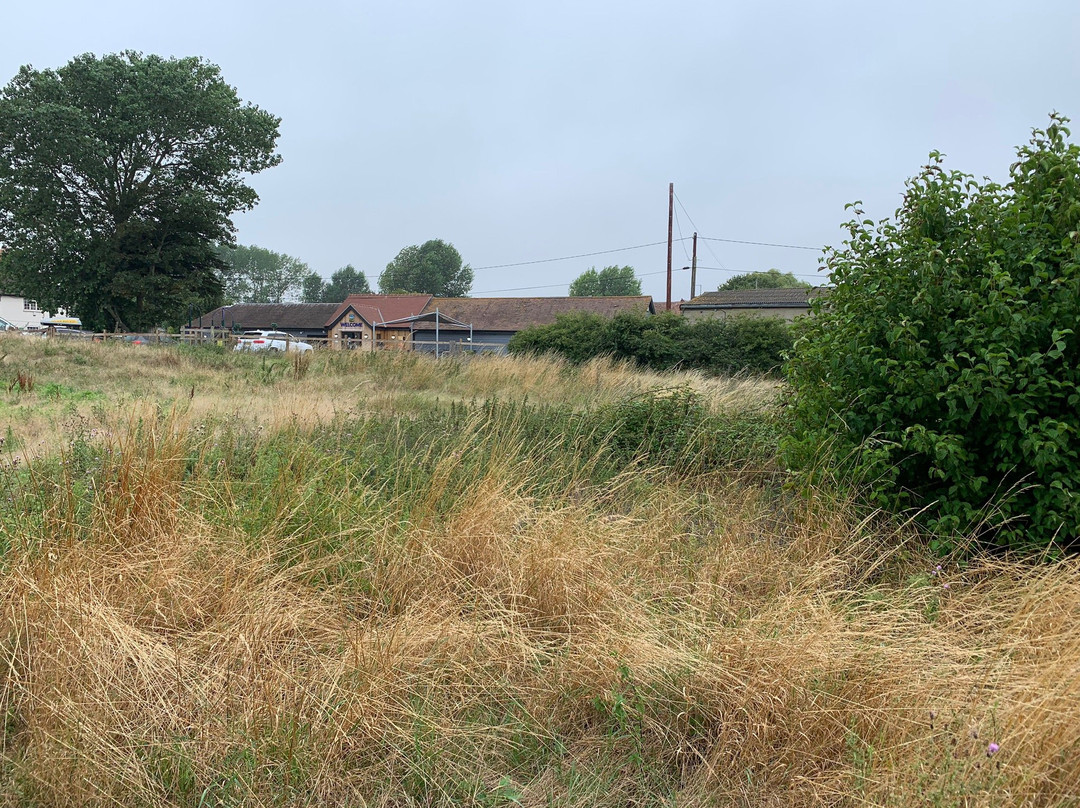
(14, 310)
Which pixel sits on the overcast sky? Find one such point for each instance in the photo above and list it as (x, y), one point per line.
(528, 131)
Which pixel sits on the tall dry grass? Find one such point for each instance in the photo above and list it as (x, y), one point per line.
(652, 640)
(86, 381)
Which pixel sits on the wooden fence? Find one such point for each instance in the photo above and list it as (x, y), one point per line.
(228, 340)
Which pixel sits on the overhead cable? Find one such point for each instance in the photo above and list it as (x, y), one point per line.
(569, 257)
(762, 243)
(559, 285)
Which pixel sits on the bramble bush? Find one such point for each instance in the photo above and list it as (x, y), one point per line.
(944, 367)
(663, 341)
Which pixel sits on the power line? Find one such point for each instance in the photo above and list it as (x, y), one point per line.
(569, 257)
(524, 288)
(747, 271)
(562, 285)
(682, 238)
(651, 244)
(741, 241)
(762, 243)
(712, 252)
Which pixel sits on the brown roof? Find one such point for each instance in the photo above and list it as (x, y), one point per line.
(753, 299)
(517, 313)
(263, 315)
(380, 308)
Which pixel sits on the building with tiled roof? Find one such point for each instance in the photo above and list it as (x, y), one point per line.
(361, 321)
(786, 304)
(494, 320)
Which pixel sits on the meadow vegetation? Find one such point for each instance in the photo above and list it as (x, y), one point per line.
(384, 580)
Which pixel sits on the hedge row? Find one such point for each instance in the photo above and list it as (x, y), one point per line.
(664, 341)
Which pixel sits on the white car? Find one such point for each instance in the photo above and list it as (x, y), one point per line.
(270, 341)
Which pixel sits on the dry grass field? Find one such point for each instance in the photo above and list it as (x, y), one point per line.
(381, 580)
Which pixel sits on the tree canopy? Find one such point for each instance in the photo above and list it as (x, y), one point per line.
(433, 268)
(118, 177)
(608, 282)
(346, 281)
(258, 275)
(943, 367)
(311, 288)
(772, 279)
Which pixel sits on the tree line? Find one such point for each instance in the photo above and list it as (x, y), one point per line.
(258, 275)
(119, 176)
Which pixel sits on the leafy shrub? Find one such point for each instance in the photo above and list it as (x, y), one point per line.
(944, 365)
(655, 342)
(664, 341)
(578, 337)
(737, 344)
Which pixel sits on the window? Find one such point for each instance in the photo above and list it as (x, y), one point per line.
(30, 305)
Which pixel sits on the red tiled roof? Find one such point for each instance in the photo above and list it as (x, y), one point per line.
(517, 313)
(381, 308)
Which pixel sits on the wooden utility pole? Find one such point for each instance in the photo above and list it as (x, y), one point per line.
(670, 218)
(693, 271)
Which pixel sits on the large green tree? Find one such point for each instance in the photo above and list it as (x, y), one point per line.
(346, 281)
(118, 177)
(258, 275)
(433, 267)
(613, 281)
(311, 288)
(772, 279)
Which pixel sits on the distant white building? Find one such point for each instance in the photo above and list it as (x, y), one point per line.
(21, 313)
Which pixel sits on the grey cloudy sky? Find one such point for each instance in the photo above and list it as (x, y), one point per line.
(527, 131)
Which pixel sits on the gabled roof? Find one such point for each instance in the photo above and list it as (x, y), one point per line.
(262, 315)
(518, 313)
(380, 308)
(753, 299)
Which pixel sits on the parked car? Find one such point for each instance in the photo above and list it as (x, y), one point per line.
(270, 341)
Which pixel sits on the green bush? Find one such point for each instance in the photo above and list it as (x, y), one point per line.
(944, 367)
(652, 341)
(578, 337)
(664, 341)
(737, 344)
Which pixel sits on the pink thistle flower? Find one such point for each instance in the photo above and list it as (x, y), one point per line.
(991, 749)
